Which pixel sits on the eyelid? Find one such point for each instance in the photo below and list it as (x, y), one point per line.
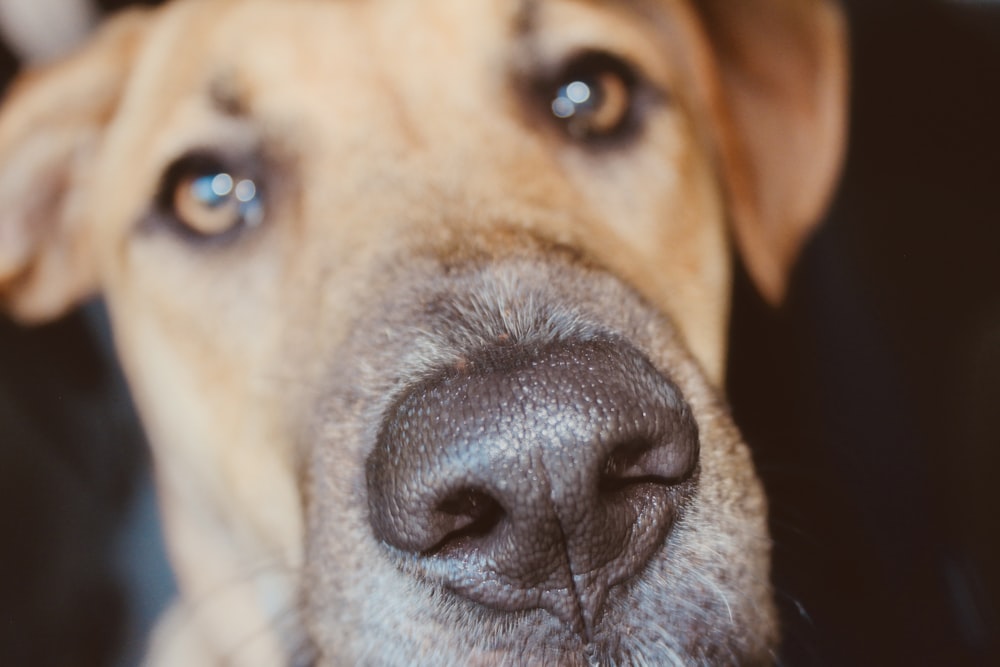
(241, 168)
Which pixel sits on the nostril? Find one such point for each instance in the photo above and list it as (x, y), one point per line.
(641, 461)
(465, 517)
(626, 466)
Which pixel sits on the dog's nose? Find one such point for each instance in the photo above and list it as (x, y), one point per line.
(529, 478)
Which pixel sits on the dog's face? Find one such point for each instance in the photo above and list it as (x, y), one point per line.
(424, 308)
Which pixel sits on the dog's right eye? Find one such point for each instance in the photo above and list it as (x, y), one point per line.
(205, 198)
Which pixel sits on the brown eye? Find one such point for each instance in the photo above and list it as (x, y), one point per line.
(209, 200)
(594, 97)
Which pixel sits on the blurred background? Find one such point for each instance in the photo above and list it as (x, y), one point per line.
(871, 399)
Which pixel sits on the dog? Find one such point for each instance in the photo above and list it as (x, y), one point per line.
(424, 309)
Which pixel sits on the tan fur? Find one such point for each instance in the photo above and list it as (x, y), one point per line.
(399, 149)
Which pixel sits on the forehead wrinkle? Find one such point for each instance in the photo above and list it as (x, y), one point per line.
(529, 12)
(632, 5)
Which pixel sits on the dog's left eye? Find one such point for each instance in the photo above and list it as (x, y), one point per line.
(593, 97)
(209, 200)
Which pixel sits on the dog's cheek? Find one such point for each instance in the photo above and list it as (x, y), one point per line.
(349, 590)
(728, 558)
(202, 347)
(663, 195)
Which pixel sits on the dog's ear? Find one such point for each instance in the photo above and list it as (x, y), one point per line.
(51, 124)
(783, 86)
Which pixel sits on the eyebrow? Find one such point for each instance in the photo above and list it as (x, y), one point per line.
(227, 97)
(526, 18)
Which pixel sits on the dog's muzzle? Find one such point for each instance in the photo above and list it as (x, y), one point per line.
(534, 477)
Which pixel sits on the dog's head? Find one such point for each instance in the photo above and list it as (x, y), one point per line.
(424, 307)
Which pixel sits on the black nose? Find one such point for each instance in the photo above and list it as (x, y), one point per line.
(534, 478)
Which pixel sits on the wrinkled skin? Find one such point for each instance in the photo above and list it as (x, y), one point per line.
(421, 203)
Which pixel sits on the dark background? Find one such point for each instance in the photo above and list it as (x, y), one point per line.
(870, 398)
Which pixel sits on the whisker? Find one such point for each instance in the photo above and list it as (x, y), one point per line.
(715, 588)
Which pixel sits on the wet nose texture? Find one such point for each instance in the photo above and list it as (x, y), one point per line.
(534, 478)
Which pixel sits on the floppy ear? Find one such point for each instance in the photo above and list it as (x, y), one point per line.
(782, 111)
(51, 125)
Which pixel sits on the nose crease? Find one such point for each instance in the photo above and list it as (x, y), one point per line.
(576, 612)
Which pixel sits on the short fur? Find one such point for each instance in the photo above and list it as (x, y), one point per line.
(421, 204)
